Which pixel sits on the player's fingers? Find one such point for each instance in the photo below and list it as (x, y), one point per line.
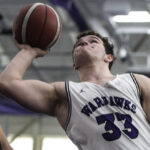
(21, 46)
(40, 52)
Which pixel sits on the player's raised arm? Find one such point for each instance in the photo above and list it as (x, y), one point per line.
(35, 95)
(30, 28)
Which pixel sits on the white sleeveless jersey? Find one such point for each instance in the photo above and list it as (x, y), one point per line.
(108, 117)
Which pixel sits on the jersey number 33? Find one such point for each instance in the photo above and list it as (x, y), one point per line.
(112, 131)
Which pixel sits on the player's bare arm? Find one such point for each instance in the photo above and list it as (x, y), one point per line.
(35, 95)
(144, 83)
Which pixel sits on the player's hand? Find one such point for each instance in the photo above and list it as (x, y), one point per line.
(34, 50)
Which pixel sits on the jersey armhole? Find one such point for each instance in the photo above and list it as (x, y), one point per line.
(69, 104)
(137, 86)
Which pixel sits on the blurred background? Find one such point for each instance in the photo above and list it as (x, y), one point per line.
(125, 22)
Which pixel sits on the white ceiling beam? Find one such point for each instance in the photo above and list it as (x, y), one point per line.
(133, 30)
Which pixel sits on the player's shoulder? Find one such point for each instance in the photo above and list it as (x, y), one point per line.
(141, 79)
(138, 77)
(60, 89)
(58, 83)
(59, 86)
(143, 82)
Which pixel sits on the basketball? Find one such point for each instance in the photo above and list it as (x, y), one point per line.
(37, 25)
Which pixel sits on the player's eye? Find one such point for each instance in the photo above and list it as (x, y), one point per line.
(78, 44)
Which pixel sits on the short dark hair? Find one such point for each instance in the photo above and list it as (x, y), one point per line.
(108, 46)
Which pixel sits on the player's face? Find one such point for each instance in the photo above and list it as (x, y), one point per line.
(88, 49)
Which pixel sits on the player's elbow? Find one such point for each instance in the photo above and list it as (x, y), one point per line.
(5, 84)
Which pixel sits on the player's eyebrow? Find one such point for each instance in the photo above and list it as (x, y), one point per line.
(91, 37)
(95, 37)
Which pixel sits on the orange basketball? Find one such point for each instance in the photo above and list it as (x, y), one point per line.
(38, 25)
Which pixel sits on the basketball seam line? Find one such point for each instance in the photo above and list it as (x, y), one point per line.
(58, 29)
(25, 21)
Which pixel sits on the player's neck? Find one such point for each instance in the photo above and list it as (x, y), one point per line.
(95, 73)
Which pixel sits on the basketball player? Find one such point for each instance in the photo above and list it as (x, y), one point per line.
(4, 145)
(103, 111)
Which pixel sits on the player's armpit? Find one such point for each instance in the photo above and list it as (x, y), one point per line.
(35, 95)
(144, 84)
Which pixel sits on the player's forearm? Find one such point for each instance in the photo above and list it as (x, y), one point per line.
(17, 67)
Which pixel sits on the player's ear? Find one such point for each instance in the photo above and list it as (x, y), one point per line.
(108, 58)
(75, 67)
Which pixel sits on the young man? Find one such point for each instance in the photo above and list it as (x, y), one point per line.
(4, 145)
(102, 111)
